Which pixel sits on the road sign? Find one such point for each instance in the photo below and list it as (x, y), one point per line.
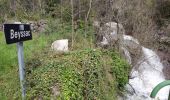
(17, 32)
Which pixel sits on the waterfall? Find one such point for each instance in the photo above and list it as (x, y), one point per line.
(145, 76)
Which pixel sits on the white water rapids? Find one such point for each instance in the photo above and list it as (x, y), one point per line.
(145, 75)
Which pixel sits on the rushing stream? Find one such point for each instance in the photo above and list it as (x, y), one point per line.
(147, 76)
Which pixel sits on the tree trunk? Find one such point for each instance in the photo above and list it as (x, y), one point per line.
(79, 8)
(13, 7)
(61, 11)
(87, 16)
(72, 8)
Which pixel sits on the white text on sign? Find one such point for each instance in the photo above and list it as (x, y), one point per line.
(19, 34)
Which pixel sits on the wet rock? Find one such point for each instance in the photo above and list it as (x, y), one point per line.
(165, 59)
(130, 90)
(132, 45)
(126, 55)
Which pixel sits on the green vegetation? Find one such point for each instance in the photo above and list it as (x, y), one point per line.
(9, 79)
(7, 57)
(8, 63)
(79, 74)
(83, 74)
(86, 72)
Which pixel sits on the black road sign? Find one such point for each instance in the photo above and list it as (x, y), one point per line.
(17, 32)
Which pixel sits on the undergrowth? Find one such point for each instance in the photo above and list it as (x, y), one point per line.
(9, 77)
(78, 75)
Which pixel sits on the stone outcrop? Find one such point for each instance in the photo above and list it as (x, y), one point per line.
(38, 26)
(113, 32)
(107, 33)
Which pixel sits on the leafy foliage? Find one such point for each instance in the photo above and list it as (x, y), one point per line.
(120, 69)
(80, 75)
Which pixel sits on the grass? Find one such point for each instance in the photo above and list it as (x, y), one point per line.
(9, 79)
(7, 56)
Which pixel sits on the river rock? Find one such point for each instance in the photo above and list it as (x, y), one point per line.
(132, 45)
(60, 45)
(126, 55)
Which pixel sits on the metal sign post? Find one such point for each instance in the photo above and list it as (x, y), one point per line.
(21, 63)
(21, 68)
(17, 33)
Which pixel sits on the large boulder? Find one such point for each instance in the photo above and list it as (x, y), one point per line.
(60, 45)
(110, 33)
(132, 45)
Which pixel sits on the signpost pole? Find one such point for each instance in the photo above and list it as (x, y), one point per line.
(21, 67)
(21, 64)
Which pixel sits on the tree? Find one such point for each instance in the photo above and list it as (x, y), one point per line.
(72, 10)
